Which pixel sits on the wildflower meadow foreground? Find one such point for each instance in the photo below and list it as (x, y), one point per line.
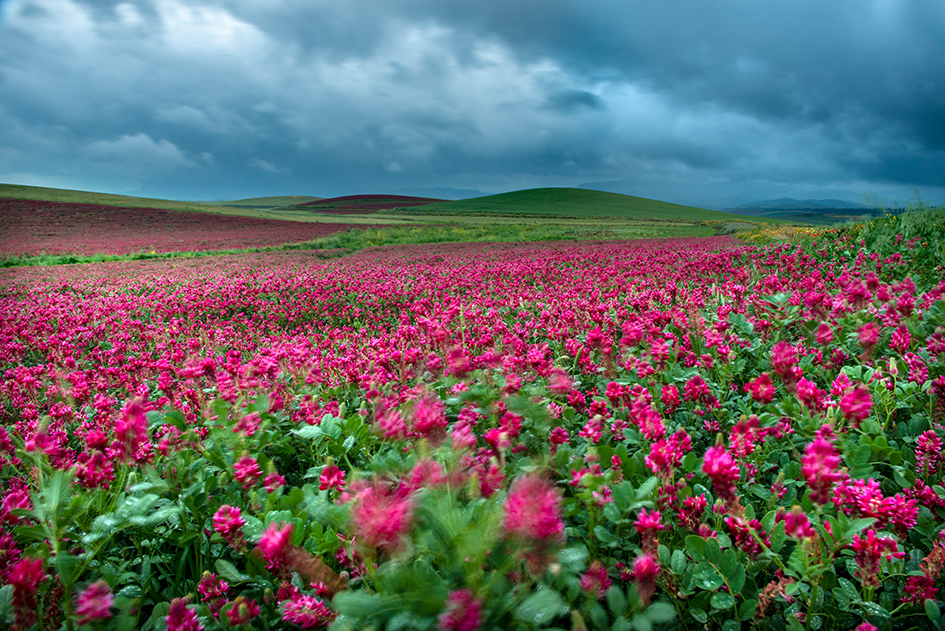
(679, 434)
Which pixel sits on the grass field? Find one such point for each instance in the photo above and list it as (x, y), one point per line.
(574, 202)
(268, 202)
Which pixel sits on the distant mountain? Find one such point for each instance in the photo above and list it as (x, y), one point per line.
(440, 192)
(789, 203)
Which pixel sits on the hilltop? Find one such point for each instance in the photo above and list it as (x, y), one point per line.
(574, 202)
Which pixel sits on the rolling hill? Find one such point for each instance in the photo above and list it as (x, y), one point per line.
(280, 201)
(62, 195)
(573, 202)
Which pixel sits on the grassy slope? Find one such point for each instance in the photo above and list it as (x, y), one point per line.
(577, 202)
(17, 191)
(281, 200)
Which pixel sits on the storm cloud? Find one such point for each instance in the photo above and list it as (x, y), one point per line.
(705, 103)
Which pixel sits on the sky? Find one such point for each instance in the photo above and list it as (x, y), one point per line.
(710, 103)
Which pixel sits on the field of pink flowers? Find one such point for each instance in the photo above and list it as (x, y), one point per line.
(689, 434)
(31, 228)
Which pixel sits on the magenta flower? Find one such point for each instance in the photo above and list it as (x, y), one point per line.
(94, 603)
(307, 612)
(273, 482)
(381, 517)
(26, 577)
(247, 472)
(533, 518)
(595, 582)
(783, 361)
(819, 467)
(242, 611)
(761, 389)
(214, 592)
(901, 339)
(331, 478)
(228, 521)
(721, 468)
(180, 617)
(463, 612)
(869, 335)
(275, 543)
(131, 429)
(645, 571)
(869, 552)
(856, 404)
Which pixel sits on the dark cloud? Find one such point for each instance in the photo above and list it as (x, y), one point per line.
(201, 98)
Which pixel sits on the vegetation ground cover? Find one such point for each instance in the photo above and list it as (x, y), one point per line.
(575, 202)
(679, 434)
(36, 227)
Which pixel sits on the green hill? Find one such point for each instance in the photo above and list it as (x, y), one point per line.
(280, 201)
(575, 202)
(41, 193)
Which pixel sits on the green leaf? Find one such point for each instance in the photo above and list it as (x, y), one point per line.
(541, 607)
(746, 611)
(712, 551)
(228, 571)
(660, 612)
(647, 487)
(695, 546)
(778, 537)
(932, 610)
(699, 615)
(616, 601)
(722, 600)
(574, 558)
(678, 562)
(308, 431)
(642, 623)
(603, 535)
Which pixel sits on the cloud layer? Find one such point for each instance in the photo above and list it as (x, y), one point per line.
(686, 101)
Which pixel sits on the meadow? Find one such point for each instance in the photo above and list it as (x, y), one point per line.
(689, 433)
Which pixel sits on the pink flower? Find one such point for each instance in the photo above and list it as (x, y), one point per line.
(558, 382)
(25, 577)
(783, 360)
(247, 472)
(228, 521)
(273, 482)
(761, 389)
(901, 340)
(180, 617)
(274, 544)
(213, 591)
(533, 518)
(869, 553)
(721, 468)
(744, 435)
(242, 611)
(810, 395)
(463, 612)
(796, 523)
(533, 511)
(824, 334)
(331, 478)
(856, 404)
(131, 429)
(649, 525)
(307, 612)
(819, 467)
(595, 582)
(429, 418)
(94, 603)
(645, 570)
(869, 335)
(928, 453)
(248, 425)
(382, 517)
(670, 398)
